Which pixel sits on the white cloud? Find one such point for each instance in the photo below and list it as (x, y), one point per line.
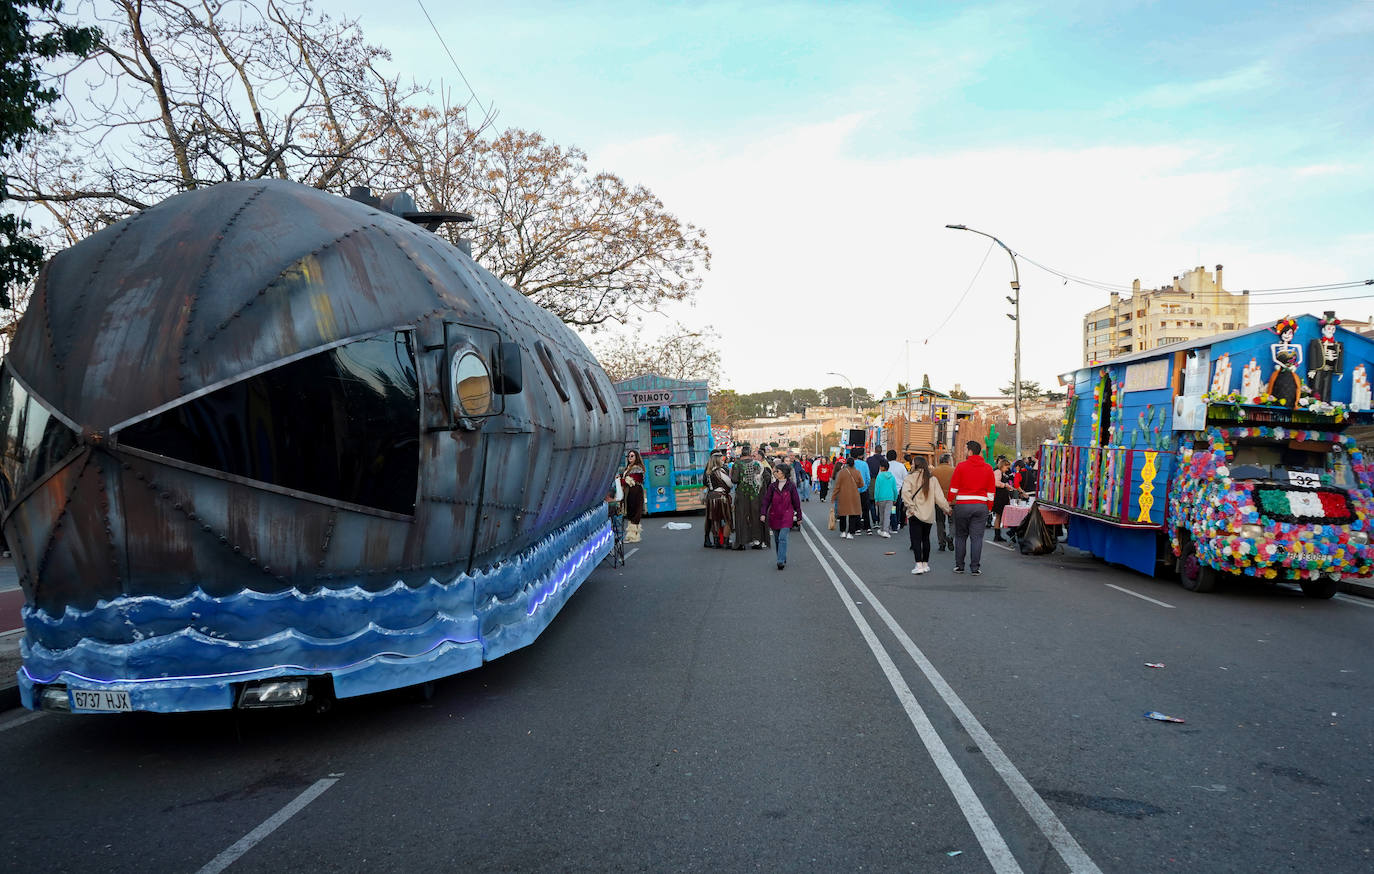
(824, 262)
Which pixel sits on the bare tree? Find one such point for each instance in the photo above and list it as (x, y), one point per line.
(180, 94)
(681, 354)
(589, 247)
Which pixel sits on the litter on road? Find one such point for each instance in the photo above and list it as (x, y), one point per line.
(677, 526)
(1154, 664)
(1160, 717)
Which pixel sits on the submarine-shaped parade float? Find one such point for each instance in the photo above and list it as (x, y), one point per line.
(262, 445)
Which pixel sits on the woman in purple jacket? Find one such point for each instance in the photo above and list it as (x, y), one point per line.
(781, 507)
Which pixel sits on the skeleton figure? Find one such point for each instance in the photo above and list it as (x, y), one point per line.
(1326, 357)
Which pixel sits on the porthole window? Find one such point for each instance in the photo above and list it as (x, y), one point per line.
(581, 386)
(596, 390)
(470, 383)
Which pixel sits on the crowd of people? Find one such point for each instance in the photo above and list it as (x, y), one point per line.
(753, 500)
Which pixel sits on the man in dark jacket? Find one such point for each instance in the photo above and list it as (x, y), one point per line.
(971, 491)
(875, 465)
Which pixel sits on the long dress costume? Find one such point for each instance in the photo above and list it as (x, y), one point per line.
(1284, 382)
(747, 476)
(720, 518)
(633, 480)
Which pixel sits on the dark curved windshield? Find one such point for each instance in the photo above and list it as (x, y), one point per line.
(342, 424)
(32, 439)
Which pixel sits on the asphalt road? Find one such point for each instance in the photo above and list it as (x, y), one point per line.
(699, 710)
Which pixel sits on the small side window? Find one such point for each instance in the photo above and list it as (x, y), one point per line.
(596, 390)
(547, 359)
(470, 383)
(581, 386)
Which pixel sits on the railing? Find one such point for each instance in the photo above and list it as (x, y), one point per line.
(1127, 486)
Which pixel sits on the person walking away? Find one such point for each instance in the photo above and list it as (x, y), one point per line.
(799, 478)
(944, 523)
(719, 515)
(923, 497)
(1001, 478)
(632, 485)
(825, 468)
(884, 495)
(874, 464)
(747, 475)
(848, 505)
(899, 474)
(971, 491)
(865, 496)
(781, 510)
(764, 480)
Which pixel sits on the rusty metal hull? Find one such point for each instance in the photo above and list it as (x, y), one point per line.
(234, 447)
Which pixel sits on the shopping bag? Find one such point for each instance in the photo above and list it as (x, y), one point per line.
(832, 518)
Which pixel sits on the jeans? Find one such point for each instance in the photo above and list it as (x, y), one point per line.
(825, 488)
(969, 521)
(866, 509)
(780, 538)
(920, 538)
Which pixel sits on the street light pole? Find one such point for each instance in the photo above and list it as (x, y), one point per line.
(852, 407)
(1016, 317)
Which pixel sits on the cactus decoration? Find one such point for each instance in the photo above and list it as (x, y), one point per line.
(1147, 434)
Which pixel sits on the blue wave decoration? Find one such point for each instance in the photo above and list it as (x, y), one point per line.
(187, 653)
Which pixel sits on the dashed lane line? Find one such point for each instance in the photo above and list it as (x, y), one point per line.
(275, 821)
(1138, 595)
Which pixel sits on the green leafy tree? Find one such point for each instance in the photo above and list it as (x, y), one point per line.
(1030, 389)
(959, 394)
(925, 381)
(836, 395)
(29, 35)
(803, 398)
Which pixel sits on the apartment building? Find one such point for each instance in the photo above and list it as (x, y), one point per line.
(1195, 306)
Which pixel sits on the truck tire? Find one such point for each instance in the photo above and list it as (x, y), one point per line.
(1322, 588)
(1196, 576)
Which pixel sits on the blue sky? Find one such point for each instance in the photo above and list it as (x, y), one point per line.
(824, 147)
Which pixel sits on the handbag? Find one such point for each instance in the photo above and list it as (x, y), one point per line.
(832, 517)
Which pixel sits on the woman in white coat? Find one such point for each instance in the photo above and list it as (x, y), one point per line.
(921, 494)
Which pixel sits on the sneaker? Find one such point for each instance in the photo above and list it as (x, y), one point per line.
(917, 569)
(958, 570)
(925, 567)
(977, 573)
(884, 534)
(781, 565)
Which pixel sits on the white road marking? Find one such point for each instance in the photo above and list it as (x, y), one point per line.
(1138, 595)
(1363, 602)
(20, 720)
(1050, 826)
(631, 552)
(250, 840)
(984, 830)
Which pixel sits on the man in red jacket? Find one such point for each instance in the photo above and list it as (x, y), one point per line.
(971, 491)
